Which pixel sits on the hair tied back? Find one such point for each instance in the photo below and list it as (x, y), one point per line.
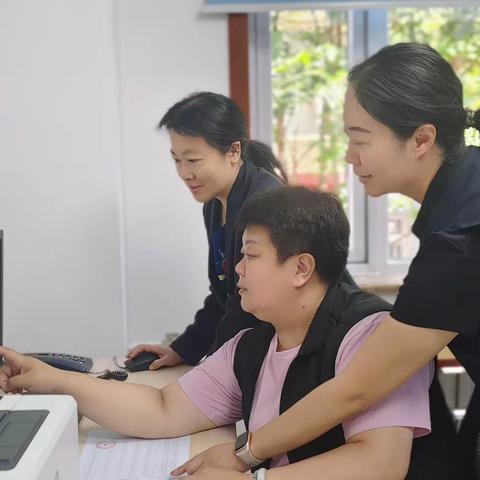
(472, 119)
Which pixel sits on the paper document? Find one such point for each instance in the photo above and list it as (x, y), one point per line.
(109, 456)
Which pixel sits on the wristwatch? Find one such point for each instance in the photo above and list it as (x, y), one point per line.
(242, 450)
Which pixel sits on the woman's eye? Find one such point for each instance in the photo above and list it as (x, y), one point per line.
(193, 160)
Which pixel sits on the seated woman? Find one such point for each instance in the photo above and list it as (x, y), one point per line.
(295, 246)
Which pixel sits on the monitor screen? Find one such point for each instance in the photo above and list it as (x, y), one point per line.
(1, 287)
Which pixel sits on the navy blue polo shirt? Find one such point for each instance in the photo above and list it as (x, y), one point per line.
(218, 247)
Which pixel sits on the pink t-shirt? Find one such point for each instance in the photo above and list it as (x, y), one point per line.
(213, 388)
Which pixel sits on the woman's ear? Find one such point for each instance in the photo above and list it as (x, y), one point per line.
(305, 267)
(235, 153)
(424, 138)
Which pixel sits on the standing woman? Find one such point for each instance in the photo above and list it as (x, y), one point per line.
(405, 121)
(223, 169)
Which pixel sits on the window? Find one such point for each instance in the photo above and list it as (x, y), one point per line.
(309, 66)
(308, 54)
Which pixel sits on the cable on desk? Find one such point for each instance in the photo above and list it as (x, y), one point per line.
(102, 372)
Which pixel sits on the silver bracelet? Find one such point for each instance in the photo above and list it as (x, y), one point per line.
(260, 474)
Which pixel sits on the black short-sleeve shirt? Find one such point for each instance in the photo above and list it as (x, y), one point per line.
(442, 287)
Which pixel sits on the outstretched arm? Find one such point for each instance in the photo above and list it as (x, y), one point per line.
(130, 409)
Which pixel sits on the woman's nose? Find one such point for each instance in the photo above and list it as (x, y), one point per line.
(351, 157)
(239, 267)
(184, 172)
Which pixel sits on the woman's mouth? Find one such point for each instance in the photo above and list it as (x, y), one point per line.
(194, 188)
(364, 178)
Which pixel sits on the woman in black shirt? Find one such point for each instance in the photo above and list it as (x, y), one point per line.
(405, 121)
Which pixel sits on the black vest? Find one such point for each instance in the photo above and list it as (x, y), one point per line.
(342, 307)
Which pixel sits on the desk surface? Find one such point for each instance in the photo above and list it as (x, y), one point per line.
(158, 379)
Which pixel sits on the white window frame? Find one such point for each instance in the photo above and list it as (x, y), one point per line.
(367, 33)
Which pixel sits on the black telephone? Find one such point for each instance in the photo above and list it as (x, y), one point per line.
(64, 361)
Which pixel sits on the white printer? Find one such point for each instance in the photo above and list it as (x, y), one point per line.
(38, 438)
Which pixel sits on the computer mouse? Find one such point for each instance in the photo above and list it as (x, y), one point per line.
(141, 362)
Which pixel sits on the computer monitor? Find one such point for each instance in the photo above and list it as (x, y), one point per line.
(1, 287)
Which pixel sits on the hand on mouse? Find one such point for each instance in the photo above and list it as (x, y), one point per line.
(168, 356)
(21, 372)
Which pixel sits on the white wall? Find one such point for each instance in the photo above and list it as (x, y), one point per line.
(104, 246)
(164, 55)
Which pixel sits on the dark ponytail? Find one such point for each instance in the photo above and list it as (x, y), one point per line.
(261, 155)
(219, 121)
(472, 119)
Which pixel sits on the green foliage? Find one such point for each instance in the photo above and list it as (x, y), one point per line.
(309, 62)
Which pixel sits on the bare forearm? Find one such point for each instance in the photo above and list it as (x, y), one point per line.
(130, 409)
(345, 463)
(315, 414)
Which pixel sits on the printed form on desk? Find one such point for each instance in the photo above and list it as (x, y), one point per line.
(109, 456)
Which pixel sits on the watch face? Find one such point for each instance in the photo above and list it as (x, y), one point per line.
(241, 441)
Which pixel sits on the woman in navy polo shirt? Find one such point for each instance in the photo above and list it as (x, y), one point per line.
(405, 121)
(223, 169)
